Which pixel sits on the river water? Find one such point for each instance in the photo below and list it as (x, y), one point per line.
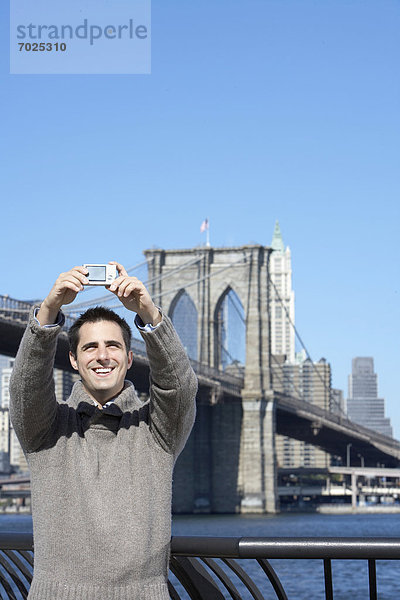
(302, 579)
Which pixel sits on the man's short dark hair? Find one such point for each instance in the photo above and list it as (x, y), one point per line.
(93, 315)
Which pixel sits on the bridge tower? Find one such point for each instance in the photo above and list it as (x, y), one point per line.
(203, 277)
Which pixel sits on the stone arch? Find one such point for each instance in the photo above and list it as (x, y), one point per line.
(221, 287)
(183, 313)
(229, 332)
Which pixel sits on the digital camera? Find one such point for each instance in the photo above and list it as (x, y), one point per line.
(101, 274)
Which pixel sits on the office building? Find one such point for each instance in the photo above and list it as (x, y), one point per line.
(363, 405)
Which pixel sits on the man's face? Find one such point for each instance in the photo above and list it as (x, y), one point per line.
(101, 359)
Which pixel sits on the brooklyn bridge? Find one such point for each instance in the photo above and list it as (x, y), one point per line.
(229, 463)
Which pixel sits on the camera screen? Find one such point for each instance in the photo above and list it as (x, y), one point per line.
(97, 273)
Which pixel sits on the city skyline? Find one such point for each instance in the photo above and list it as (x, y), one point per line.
(283, 111)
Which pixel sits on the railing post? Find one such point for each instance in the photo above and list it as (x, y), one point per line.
(328, 579)
(373, 593)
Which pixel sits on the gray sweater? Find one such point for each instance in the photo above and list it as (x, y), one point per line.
(101, 479)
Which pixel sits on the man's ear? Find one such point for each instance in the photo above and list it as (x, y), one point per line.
(130, 359)
(73, 362)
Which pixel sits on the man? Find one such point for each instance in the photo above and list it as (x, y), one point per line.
(101, 463)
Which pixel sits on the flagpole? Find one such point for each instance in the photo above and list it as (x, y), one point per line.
(205, 227)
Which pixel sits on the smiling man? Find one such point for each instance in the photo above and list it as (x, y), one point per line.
(100, 353)
(101, 463)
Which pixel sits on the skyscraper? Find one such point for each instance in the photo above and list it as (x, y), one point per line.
(282, 298)
(363, 405)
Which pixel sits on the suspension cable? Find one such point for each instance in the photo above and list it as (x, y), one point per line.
(135, 267)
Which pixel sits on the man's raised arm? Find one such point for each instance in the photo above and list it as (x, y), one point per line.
(32, 398)
(63, 292)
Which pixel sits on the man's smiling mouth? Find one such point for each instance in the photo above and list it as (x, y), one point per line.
(103, 370)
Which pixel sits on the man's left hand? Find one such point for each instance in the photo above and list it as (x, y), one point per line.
(134, 295)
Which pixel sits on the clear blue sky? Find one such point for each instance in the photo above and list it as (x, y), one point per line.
(254, 111)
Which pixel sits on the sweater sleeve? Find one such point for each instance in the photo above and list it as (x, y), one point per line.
(173, 387)
(33, 405)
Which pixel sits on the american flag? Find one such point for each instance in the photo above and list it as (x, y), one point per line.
(204, 226)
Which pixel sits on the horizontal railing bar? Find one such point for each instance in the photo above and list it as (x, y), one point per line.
(254, 547)
(14, 540)
(340, 548)
(211, 547)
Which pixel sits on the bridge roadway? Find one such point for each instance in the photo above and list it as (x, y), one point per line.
(295, 418)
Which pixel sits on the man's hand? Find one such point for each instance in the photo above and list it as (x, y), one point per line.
(134, 296)
(64, 291)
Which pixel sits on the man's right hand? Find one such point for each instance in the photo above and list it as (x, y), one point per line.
(64, 291)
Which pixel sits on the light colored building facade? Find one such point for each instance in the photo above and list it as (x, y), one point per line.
(282, 298)
(363, 405)
(4, 441)
(5, 384)
(11, 455)
(4, 364)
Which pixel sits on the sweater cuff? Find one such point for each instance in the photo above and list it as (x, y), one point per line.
(148, 327)
(59, 321)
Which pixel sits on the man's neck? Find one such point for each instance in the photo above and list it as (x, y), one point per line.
(101, 400)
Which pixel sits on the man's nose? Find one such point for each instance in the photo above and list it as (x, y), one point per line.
(102, 352)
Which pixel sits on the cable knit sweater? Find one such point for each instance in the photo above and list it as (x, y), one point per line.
(101, 479)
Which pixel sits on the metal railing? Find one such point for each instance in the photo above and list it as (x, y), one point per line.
(208, 568)
(12, 309)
